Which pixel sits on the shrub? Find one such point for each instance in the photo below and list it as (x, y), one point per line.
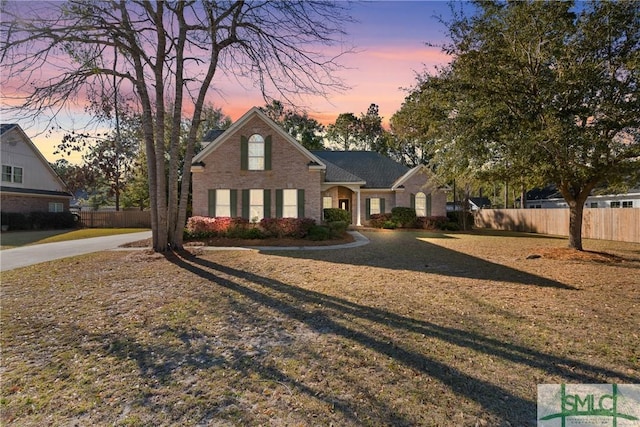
(432, 222)
(338, 228)
(38, 220)
(403, 217)
(199, 227)
(251, 233)
(459, 217)
(14, 220)
(319, 232)
(335, 214)
(451, 226)
(203, 226)
(378, 220)
(390, 225)
(287, 227)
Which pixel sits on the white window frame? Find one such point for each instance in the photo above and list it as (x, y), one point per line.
(256, 204)
(327, 202)
(290, 203)
(11, 174)
(615, 204)
(421, 204)
(256, 152)
(223, 202)
(56, 207)
(374, 206)
(627, 203)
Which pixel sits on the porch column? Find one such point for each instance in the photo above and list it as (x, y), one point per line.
(358, 222)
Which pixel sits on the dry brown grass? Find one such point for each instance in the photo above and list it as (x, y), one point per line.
(412, 329)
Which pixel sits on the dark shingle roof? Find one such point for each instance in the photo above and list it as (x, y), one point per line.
(481, 202)
(375, 169)
(5, 189)
(6, 126)
(212, 135)
(548, 192)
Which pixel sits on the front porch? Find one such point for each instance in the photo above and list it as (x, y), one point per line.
(345, 197)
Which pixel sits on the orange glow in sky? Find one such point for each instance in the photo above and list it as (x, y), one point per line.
(390, 38)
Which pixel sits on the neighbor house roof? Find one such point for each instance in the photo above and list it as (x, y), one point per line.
(4, 127)
(548, 192)
(376, 170)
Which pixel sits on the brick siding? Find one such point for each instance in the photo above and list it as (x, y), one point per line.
(289, 169)
(26, 204)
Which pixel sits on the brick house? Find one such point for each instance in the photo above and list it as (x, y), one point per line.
(29, 184)
(257, 170)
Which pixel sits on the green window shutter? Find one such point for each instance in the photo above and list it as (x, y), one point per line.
(429, 204)
(267, 203)
(279, 203)
(413, 201)
(244, 153)
(367, 208)
(234, 203)
(267, 153)
(382, 205)
(212, 203)
(245, 204)
(300, 203)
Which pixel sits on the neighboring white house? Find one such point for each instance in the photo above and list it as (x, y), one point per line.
(475, 204)
(550, 197)
(29, 184)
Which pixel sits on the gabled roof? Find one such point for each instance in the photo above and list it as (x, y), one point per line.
(255, 111)
(376, 170)
(5, 128)
(548, 192)
(336, 174)
(212, 135)
(480, 202)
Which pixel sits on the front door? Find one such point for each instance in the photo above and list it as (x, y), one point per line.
(343, 204)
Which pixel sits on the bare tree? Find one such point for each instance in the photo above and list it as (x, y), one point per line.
(168, 54)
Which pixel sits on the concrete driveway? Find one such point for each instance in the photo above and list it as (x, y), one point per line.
(34, 254)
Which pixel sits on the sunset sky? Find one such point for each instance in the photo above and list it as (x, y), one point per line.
(390, 38)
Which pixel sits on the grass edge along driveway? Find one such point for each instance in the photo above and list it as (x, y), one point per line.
(12, 239)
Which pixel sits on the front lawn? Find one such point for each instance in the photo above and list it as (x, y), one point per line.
(413, 329)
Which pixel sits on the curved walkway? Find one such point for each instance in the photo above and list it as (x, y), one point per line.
(35, 254)
(359, 240)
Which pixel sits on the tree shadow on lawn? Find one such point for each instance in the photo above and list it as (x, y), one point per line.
(336, 316)
(406, 251)
(159, 362)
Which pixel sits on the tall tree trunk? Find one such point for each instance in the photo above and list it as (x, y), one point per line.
(576, 196)
(160, 149)
(575, 225)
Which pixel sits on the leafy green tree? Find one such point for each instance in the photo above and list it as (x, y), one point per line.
(372, 134)
(165, 54)
(543, 92)
(213, 118)
(345, 131)
(136, 192)
(306, 130)
(78, 178)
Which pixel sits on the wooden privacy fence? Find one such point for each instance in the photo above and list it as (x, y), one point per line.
(599, 223)
(119, 219)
